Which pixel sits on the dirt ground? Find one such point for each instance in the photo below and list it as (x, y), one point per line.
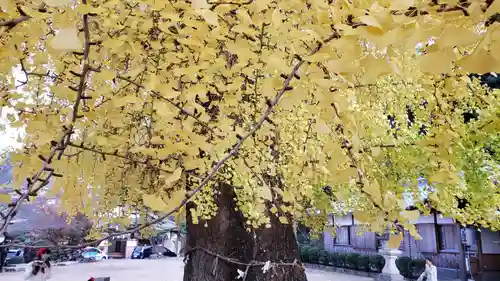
(170, 269)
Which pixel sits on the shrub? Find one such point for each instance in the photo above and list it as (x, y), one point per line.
(304, 253)
(403, 265)
(341, 260)
(334, 258)
(323, 257)
(416, 267)
(313, 255)
(377, 263)
(352, 260)
(364, 263)
(318, 243)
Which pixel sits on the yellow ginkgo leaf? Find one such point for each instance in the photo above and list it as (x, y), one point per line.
(415, 234)
(401, 4)
(480, 62)
(57, 3)
(265, 192)
(318, 57)
(5, 198)
(174, 199)
(175, 176)
(395, 240)
(412, 215)
(210, 16)
(437, 62)
(199, 4)
(154, 202)
(361, 217)
(157, 140)
(106, 75)
(376, 151)
(450, 38)
(66, 39)
(162, 108)
(373, 189)
(370, 21)
(283, 220)
(4, 5)
(341, 66)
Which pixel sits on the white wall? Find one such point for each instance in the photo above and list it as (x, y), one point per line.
(343, 220)
(490, 241)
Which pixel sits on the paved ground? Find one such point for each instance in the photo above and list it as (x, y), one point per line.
(149, 270)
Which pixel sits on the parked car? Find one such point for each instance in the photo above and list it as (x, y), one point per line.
(14, 256)
(145, 252)
(93, 253)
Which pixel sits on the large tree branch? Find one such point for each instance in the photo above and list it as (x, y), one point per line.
(189, 195)
(37, 181)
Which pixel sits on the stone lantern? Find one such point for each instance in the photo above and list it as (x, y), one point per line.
(390, 271)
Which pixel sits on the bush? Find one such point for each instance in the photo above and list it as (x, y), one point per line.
(352, 260)
(323, 257)
(416, 267)
(317, 243)
(304, 253)
(403, 265)
(377, 263)
(364, 263)
(334, 258)
(341, 261)
(313, 255)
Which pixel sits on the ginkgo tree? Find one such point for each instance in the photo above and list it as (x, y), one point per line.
(239, 112)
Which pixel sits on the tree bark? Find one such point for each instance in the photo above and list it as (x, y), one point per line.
(226, 235)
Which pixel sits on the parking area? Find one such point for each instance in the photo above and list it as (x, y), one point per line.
(170, 269)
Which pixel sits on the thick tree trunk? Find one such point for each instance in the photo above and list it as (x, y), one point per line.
(226, 235)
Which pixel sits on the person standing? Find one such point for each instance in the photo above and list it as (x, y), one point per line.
(430, 272)
(39, 269)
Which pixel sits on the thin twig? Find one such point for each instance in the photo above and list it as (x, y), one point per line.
(354, 163)
(13, 22)
(171, 101)
(113, 154)
(61, 144)
(271, 104)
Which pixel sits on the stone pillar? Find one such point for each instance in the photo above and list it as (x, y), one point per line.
(390, 271)
(131, 244)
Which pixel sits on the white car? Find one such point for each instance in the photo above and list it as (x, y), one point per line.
(94, 253)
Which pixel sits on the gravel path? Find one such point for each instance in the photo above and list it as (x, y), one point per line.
(170, 269)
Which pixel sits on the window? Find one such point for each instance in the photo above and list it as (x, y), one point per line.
(448, 238)
(343, 236)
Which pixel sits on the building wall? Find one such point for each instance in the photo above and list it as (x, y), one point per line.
(490, 241)
(440, 241)
(490, 258)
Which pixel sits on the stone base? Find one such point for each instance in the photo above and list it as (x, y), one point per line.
(389, 277)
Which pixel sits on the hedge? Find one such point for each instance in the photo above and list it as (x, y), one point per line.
(323, 257)
(403, 265)
(416, 267)
(364, 263)
(313, 255)
(351, 261)
(410, 268)
(377, 263)
(355, 261)
(304, 253)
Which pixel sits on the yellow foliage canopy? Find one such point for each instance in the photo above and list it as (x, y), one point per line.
(135, 101)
